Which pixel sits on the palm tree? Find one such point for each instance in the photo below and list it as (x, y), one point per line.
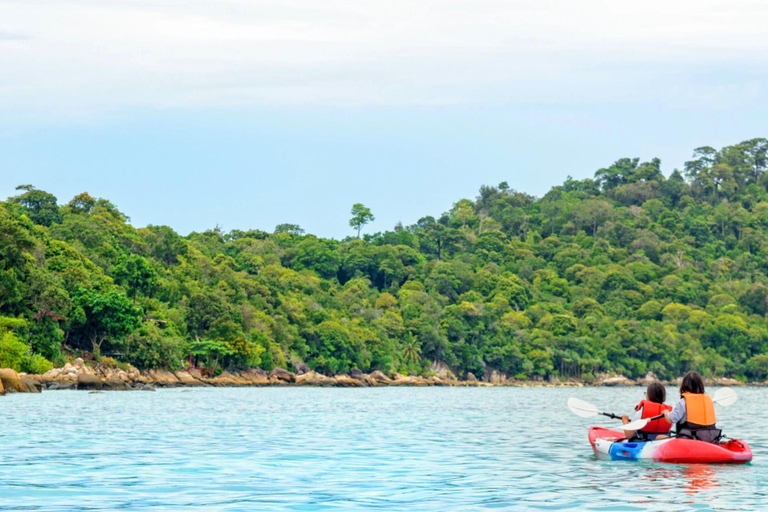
(411, 350)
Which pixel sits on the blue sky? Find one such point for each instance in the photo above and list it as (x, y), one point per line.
(249, 113)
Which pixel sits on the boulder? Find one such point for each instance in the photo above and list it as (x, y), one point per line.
(618, 380)
(162, 378)
(649, 378)
(195, 373)
(441, 370)
(89, 382)
(2, 390)
(725, 381)
(61, 385)
(283, 375)
(402, 380)
(115, 385)
(188, 380)
(312, 378)
(345, 381)
(226, 379)
(471, 377)
(133, 373)
(11, 381)
(254, 377)
(31, 385)
(302, 368)
(380, 379)
(79, 363)
(497, 377)
(436, 381)
(50, 375)
(355, 373)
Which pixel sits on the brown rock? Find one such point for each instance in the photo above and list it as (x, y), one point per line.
(345, 381)
(725, 381)
(115, 385)
(2, 390)
(162, 378)
(302, 368)
(312, 378)
(11, 381)
(226, 379)
(90, 382)
(380, 379)
(618, 380)
(283, 375)
(649, 378)
(255, 377)
(402, 380)
(471, 377)
(31, 385)
(187, 379)
(60, 385)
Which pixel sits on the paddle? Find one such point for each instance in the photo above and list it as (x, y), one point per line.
(724, 397)
(586, 409)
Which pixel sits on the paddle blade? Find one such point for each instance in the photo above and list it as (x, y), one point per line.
(724, 397)
(636, 425)
(582, 408)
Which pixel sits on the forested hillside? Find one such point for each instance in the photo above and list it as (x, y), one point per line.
(627, 272)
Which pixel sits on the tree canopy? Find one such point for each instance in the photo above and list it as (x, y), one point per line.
(631, 272)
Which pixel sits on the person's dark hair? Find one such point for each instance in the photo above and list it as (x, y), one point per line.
(692, 383)
(656, 392)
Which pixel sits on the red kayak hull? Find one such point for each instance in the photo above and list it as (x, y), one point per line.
(680, 451)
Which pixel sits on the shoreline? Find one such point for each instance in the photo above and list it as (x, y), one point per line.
(79, 376)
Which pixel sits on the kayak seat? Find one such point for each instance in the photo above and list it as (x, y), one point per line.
(708, 435)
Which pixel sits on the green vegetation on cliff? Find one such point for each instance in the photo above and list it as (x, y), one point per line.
(628, 272)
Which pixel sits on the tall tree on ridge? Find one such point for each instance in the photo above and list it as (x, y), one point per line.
(361, 216)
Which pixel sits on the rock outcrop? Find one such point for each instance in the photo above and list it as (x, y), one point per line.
(11, 381)
(380, 379)
(282, 375)
(618, 380)
(312, 378)
(89, 382)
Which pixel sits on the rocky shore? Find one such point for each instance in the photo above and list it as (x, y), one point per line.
(78, 375)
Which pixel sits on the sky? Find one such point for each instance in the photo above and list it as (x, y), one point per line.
(251, 113)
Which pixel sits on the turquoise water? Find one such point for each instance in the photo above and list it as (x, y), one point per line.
(425, 449)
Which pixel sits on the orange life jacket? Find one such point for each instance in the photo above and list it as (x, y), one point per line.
(699, 409)
(651, 409)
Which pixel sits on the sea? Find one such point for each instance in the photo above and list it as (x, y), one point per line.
(331, 449)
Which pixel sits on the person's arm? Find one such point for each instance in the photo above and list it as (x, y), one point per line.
(677, 413)
(626, 419)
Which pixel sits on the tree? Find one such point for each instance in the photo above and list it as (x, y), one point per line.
(108, 316)
(136, 274)
(360, 217)
(293, 229)
(40, 205)
(211, 351)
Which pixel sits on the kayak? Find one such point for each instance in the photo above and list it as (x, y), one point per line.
(681, 451)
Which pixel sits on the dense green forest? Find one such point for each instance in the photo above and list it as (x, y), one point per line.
(628, 272)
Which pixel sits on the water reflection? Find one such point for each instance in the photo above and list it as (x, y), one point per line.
(699, 477)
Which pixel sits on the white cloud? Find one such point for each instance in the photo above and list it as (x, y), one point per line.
(89, 57)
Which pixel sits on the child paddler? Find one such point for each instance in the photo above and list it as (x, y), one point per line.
(653, 405)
